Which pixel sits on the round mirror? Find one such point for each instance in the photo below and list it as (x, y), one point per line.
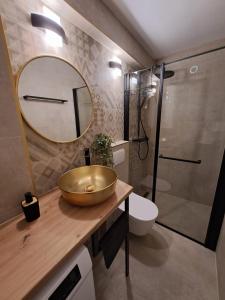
(54, 99)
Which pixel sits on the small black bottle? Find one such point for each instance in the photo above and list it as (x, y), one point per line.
(30, 207)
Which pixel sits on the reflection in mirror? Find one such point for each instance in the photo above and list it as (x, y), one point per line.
(54, 99)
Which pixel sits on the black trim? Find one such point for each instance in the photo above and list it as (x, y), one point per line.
(157, 136)
(43, 99)
(184, 58)
(38, 20)
(126, 106)
(140, 140)
(113, 64)
(218, 210)
(76, 110)
(139, 105)
(195, 55)
(180, 159)
(182, 234)
(81, 87)
(127, 267)
(87, 156)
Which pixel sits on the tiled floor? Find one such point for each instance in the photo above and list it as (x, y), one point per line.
(163, 266)
(188, 217)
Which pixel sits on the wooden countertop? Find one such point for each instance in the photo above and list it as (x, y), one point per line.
(30, 251)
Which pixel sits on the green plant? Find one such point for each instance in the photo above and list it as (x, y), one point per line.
(101, 150)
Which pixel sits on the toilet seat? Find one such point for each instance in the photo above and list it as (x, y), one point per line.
(141, 208)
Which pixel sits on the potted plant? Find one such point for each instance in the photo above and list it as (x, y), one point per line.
(101, 150)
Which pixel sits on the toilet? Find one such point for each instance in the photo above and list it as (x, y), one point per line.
(142, 211)
(142, 214)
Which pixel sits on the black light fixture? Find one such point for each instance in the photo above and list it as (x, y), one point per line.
(117, 66)
(113, 64)
(42, 21)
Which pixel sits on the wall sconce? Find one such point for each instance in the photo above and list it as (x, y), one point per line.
(116, 65)
(55, 34)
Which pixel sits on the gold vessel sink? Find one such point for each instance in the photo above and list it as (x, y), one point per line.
(89, 185)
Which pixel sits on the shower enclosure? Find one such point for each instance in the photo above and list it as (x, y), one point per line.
(183, 126)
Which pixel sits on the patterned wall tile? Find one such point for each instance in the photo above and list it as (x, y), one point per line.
(50, 160)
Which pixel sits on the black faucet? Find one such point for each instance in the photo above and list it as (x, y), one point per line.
(87, 156)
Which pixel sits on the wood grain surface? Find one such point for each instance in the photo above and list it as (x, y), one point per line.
(30, 251)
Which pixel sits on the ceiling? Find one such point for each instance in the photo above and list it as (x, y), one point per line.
(71, 15)
(165, 27)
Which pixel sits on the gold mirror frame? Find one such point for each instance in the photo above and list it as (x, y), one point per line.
(21, 111)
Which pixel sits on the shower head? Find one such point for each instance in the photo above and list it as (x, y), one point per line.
(167, 74)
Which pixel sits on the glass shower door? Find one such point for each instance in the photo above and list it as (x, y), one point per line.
(192, 141)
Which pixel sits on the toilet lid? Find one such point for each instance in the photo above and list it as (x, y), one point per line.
(141, 208)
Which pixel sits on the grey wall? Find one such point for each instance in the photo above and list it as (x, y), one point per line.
(15, 177)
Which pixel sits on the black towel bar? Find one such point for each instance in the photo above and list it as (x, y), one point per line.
(44, 99)
(180, 159)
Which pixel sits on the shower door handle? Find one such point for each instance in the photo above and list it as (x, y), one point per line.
(180, 159)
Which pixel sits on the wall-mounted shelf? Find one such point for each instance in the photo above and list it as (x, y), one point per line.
(44, 99)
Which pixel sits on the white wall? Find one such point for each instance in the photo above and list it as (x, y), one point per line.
(98, 14)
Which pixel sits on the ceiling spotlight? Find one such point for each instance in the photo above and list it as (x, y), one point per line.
(194, 69)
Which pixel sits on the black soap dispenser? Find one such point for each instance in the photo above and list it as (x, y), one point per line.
(30, 207)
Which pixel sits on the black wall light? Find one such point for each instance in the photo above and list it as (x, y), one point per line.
(113, 64)
(117, 68)
(38, 20)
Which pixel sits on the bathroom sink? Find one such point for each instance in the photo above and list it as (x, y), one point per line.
(88, 185)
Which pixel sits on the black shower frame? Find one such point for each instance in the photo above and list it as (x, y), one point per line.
(218, 207)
